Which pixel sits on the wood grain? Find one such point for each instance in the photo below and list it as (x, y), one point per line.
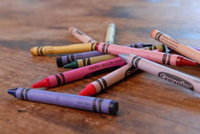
(147, 103)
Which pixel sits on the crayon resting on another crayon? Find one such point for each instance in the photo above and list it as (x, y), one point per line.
(163, 58)
(91, 60)
(176, 46)
(108, 80)
(168, 74)
(80, 35)
(161, 48)
(88, 61)
(73, 57)
(79, 73)
(93, 104)
(75, 48)
(110, 34)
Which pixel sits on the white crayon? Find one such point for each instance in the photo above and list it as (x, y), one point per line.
(168, 74)
(110, 34)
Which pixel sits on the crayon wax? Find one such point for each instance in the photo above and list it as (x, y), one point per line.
(159, 57)
(176, 46)
(93, 104)
(168, 74)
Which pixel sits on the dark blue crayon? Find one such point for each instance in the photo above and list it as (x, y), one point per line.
(106, 106)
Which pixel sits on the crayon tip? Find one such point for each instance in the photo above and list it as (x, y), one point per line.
(43, 83)
(111, 25)
(59, 62)
(12, 91)
(187, 62)
(71, 65)
(153, 33)
(33, 51)
(123, 56)
(70, 29)
(89, 90)
(113, 108)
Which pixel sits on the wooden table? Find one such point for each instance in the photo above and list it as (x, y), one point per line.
(147, 103)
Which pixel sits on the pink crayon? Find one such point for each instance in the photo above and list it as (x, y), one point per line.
(79, 73)
(159, 57)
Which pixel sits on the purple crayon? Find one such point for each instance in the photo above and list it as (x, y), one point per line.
(61, 61)
(99, 105)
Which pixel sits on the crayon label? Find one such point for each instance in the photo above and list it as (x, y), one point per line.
(130, 71)
(101, 71)
(176, 80)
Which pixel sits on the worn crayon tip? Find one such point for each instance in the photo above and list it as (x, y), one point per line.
(88, 91)
(12, 91)
(42, 83)
(59, 62)
(153, 33)
(113, 107)
(70, 29)
(123, 56)
(188, 62)
(111, 25)
(71, 65)
(33, 51)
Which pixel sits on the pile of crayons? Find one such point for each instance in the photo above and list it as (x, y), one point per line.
(91, 57)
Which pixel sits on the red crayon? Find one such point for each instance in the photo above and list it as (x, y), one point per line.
(79, 73)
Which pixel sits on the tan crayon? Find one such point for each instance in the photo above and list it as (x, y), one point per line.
(75, 48)
(80, 35)
(110, 34)
(176, 46)
(88, 61)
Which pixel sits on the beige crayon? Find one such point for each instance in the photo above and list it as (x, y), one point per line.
(110, 34)
(80, 35)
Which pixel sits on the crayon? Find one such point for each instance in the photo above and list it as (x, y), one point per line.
(108, 80)
(73, 57)
(168, 74)
(159, 57)
(79, 73)
(176, 46)
(110, 34)
(75, 48)
(66, 59)
(93, 104)
(88, 61)
(80, 35)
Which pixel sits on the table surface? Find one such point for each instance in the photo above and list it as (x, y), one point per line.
(147, 103)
